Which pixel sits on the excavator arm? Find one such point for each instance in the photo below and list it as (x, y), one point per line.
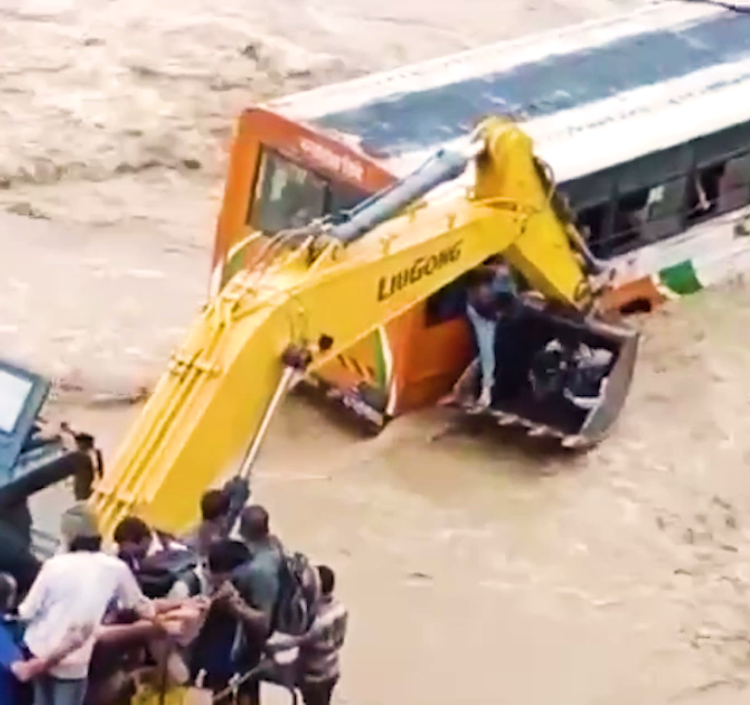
(301, 305)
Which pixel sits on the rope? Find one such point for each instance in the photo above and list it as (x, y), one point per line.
(252, 674)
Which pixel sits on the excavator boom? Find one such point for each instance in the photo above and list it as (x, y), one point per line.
(302, 305)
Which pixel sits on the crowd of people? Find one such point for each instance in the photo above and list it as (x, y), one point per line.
(212, 613)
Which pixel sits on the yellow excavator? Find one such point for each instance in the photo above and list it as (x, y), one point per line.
(313, 292)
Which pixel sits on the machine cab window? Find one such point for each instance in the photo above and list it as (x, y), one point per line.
(22, 394)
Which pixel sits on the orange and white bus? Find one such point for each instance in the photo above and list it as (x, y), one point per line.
(644, 120)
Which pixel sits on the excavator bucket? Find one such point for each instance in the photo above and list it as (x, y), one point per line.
(558, 375)
(602, 417)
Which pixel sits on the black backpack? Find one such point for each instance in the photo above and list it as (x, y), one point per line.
(299, 594)
(158, 573)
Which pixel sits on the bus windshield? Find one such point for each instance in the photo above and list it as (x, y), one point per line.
(288, 195)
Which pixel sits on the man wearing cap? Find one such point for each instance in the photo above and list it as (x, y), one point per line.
(74, 590)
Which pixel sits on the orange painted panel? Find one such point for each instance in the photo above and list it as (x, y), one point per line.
(642, 289)
(428, 360)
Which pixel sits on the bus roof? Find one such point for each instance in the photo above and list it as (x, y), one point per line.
(592, 95)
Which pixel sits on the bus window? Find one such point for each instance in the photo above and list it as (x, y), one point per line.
(287, 195)
(592, 223)
(723, 145)
(665, 209)
(734, 189)
(629, 223)
(703, 192)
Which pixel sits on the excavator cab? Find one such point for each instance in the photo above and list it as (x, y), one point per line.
(33, 456)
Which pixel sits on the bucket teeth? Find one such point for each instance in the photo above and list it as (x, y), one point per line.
(533, 429)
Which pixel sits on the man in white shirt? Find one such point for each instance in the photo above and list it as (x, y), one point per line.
(74, 590)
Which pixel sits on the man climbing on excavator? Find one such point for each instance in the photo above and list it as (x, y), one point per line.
(490, 297)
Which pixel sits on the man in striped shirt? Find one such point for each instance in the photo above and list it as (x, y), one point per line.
(319, 648)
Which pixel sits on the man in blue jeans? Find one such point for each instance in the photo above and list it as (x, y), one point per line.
(490, 296)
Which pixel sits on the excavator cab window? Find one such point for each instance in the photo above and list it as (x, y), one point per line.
(447, 303)
(22, 394)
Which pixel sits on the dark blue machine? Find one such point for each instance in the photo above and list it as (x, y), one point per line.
(31, 460)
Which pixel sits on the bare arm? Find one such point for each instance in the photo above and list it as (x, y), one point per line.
(131, 597)
(113, 633)
(25, 671)
(238, 489)
(334, 625)
(281, 642)
(257, 620)
(169, 603)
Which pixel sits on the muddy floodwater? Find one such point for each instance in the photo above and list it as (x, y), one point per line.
(478, 569)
